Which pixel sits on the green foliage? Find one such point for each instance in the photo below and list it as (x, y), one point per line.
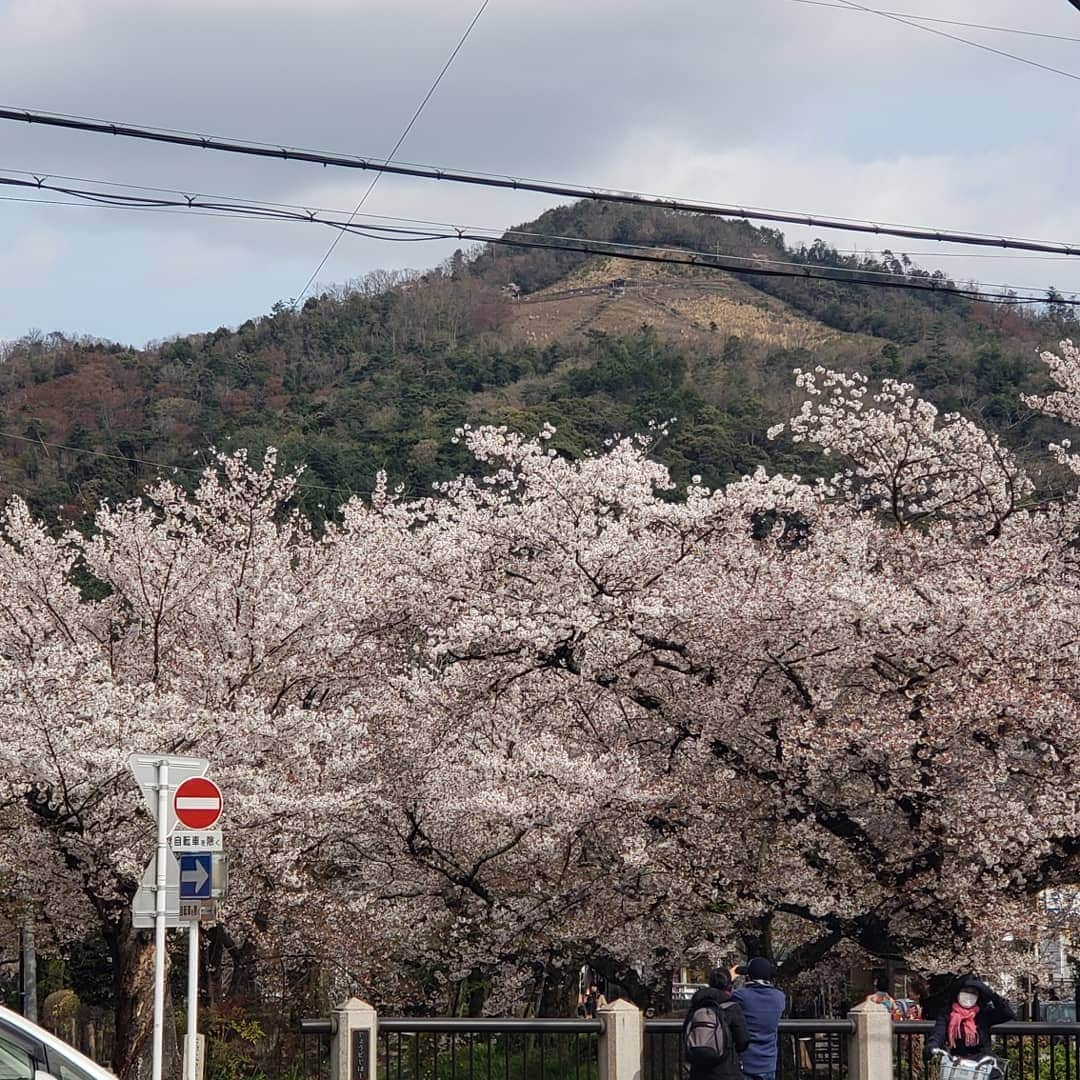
(83, 966)
(1042, 1056)
(378, 375)
(234, 1049)
(516, 1057)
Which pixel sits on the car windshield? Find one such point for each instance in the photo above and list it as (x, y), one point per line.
(15, 1063)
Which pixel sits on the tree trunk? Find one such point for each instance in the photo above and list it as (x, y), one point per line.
(623, 981)
(558, 992)
(133, 988)
(215, 957)
(476, 993)
(757, 937)
(243, 989)
(28, 962)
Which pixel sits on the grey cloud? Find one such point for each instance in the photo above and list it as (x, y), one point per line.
(753, 97)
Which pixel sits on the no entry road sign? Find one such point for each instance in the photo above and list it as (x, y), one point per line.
(183, 802)
(146, 770)
(197, 803)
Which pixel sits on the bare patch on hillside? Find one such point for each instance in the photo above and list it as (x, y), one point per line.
(699, 307)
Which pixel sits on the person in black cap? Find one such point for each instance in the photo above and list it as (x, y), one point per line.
(762, 1005)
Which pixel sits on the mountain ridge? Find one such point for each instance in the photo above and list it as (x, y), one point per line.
(378, 374)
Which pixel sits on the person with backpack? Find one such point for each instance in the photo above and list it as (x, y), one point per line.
(714, 1031)
(762, 1005)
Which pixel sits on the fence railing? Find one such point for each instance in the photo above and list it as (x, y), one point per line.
(315, 1037)
(452, 1048)
(808, 1050)
(1035, 1051)
(424, 1048)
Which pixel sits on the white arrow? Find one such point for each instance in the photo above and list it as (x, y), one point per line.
(199, 876)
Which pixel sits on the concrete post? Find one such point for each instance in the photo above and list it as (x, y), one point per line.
(870, 1048)
(354, 1047)
(622, 1041)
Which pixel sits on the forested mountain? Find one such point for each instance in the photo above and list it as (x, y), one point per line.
(379, 373)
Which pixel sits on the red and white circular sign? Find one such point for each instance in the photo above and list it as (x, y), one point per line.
(197, 803)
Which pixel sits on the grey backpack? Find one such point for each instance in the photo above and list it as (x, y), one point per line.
(706, 1039)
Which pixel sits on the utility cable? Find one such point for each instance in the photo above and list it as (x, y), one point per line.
(515, 238)
(760, 265)
(40, 177)
(235, 207)
(707, 261)
(944, 22)
(490, 180)
(397, 146)
(852, 6)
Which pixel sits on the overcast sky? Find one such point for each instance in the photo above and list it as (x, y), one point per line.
(760, 102)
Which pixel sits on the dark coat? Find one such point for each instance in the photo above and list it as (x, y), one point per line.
(993, 1009)
(728, 1069)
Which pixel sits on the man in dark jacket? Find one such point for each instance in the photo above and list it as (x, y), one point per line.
(762, 1005)
(718, 994)
(963, 1029)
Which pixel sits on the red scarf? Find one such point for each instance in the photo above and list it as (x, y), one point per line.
(962, 1028)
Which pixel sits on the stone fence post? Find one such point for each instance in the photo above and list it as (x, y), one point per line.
(870, 1049)
(354, 1045)
(622, 1041)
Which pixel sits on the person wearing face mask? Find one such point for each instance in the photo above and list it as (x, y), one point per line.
(963, 1030)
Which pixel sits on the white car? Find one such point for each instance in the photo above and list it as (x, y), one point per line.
(29, 1052)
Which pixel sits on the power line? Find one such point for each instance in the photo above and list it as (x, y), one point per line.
(41, 178)
(851, 5)
(944, 22)
(97, 453)
(180, 199)
(911, 252)
(397, 146)
(762, 268)
(757, 264)
(598, 194)
(514, 238)
(249, 208)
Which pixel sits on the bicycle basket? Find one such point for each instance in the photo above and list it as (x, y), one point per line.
(984, 1068)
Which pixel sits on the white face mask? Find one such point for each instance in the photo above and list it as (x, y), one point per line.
(967, 999)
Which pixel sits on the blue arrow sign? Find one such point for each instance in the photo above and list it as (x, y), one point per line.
(195, 874)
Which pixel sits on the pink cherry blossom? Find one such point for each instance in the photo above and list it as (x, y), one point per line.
(554, 712)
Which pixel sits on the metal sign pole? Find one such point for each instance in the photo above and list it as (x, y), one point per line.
(160, 881)
(192, 999)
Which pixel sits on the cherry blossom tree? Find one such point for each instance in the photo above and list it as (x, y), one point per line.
(565, 710)
(213, 638)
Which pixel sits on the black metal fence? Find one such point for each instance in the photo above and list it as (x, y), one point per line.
(1034, 1051)
(315, 1037)
(442, 1048)
(416, 1048)
(808, 1050)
